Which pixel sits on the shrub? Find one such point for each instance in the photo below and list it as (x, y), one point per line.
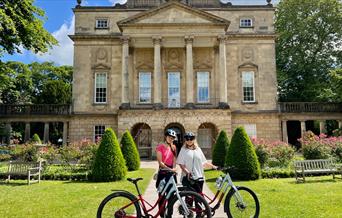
(35, 139)
(109, 164)
(261, 150)
(282, 152)
(130, 151)
(220, 149)
(25, 152)
(242, 157)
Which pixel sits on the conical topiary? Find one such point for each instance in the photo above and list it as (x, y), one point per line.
(242, 157)
(130, 151)
(35, 139)
(109, 164)
(220, 149)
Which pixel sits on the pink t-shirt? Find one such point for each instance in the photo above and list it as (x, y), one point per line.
(167, 155)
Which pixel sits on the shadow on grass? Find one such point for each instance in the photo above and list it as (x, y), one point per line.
(12, 184)
(309, 180)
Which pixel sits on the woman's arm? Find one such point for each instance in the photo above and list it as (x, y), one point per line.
(162, 165)
(185, 170)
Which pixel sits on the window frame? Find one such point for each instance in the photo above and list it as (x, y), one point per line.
(139, 76)
(94, 132)
(178, 73)
(242, 87)
(95, 87)
(208, 86)
(245, 19)
(101, 19)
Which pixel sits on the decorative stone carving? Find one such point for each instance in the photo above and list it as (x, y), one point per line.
(174, 58)
(247, 55)
(203, 58)
(100, 58)
(144, 59)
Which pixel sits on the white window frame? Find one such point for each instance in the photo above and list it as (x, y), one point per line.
(208, 86)
(106, 87)
(242, 86)
(251, 130)
(243, 22)
(98, 20)
(94, 132)
(170, 104)
(150, 74)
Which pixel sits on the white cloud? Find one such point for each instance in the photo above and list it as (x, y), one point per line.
(63, 54)
(117, 1)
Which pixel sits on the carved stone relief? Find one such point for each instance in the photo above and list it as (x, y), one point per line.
(247, 55)
(203, 57)
(144, 58)
(174, 58)
(101, 58)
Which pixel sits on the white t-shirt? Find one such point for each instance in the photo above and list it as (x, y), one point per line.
(193, 161)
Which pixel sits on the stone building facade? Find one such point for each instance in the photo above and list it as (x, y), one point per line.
(195, 65)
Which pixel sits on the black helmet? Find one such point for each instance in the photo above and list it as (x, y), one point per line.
(189, 136)
(171, 132)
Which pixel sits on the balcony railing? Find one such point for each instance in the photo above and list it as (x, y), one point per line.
(297, 107)
(212, 103)
(35, 109)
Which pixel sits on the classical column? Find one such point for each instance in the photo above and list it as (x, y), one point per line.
(27, 131)
(284, 129)
(321, 126)
(157, 88)
(65, 132)
(46, 132)
(8, 128)
(340, 124)
(223, 73)
(189, 73)
(124, 73)
(302, 128)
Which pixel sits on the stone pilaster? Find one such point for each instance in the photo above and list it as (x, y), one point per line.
(302, 128)
(124, 80)
(65, 133)
(223, 73)
(27, 131)
(157, 73)
(321, 126)
(46, 132)
(284, 131)
(189, 72)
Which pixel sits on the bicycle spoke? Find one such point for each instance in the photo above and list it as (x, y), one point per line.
(247, 208)
(119, 207)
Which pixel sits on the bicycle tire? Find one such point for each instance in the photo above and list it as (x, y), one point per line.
(130, 197)
(197, 198)
(229, 198)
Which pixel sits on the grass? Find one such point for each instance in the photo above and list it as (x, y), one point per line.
(61, 198)
(318, 197)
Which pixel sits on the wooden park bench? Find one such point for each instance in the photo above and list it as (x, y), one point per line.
(30, 169)
(319, 166)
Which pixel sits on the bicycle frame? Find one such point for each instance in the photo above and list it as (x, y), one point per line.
(173, 189)
(221, 192)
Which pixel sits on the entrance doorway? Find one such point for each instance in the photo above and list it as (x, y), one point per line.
(179, 129)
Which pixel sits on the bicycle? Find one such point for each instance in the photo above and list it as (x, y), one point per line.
(239, 202)
(123, 204)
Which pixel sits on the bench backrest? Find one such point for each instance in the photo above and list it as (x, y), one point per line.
(314, 164)
(22, 167)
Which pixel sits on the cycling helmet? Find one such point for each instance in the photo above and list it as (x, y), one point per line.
(170, 132)
(189, 136)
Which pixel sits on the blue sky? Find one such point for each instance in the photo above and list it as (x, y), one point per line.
(60, 22)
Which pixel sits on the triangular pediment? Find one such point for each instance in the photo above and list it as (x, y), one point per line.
(173, 13)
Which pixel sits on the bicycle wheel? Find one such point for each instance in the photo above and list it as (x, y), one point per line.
(196, 204)
(118, 205)
(248, 208)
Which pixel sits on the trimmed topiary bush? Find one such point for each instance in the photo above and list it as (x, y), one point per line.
(36, 139)
(130, 151)
(109, 164)
(242, 157)
(220, 149)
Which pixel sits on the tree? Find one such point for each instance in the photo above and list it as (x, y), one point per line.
(36, 139)
(109, 164)
(55, 92)
(220, 149)
(21, 25)
(242, 157)
(308, 47)
(130, 151)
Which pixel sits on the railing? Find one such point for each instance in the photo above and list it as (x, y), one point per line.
(296, 107)
(35, 109)
(212, 103)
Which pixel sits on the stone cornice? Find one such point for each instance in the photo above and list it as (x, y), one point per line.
(95, 36)
(251, 36)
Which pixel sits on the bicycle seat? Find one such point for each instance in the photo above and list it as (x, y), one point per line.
(134, 180)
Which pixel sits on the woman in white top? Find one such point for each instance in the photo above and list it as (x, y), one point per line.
(192, 160)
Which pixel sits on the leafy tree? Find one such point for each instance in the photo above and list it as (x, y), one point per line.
(55, 92)
(242, 157)
(308, 47)
(21, 25)
(109, 164)
(130, 151)
(220, 149)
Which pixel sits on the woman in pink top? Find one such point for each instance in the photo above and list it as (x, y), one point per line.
(166, 156)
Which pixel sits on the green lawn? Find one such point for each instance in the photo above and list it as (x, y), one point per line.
(318, 197)
(61, 198)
